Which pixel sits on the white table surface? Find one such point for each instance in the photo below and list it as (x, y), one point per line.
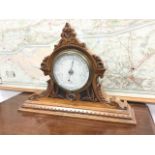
(5, 94)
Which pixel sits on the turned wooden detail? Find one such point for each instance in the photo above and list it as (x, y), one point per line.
(93, 91)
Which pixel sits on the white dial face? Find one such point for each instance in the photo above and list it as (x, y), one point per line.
(71, 71)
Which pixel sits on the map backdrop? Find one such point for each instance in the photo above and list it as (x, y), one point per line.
(127, 48)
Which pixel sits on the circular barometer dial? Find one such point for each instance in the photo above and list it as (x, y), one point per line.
(71, 70)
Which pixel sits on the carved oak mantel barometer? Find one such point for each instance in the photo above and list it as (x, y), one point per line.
(73, 88)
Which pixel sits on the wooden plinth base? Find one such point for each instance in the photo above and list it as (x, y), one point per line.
(79, 109)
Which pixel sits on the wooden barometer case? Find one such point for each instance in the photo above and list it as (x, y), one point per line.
(73, 88)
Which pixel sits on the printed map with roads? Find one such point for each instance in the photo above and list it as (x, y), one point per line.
(127, 48)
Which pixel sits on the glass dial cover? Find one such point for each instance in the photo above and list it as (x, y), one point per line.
(71, 70)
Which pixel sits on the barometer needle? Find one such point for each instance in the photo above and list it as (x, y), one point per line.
(71, 70)
(72, 64)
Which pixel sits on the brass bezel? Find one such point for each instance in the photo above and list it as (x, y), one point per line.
(78, 52)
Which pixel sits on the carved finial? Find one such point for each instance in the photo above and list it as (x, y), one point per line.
(68, 37)
(68, 32)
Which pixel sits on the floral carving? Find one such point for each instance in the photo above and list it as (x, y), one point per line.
(68, 36)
